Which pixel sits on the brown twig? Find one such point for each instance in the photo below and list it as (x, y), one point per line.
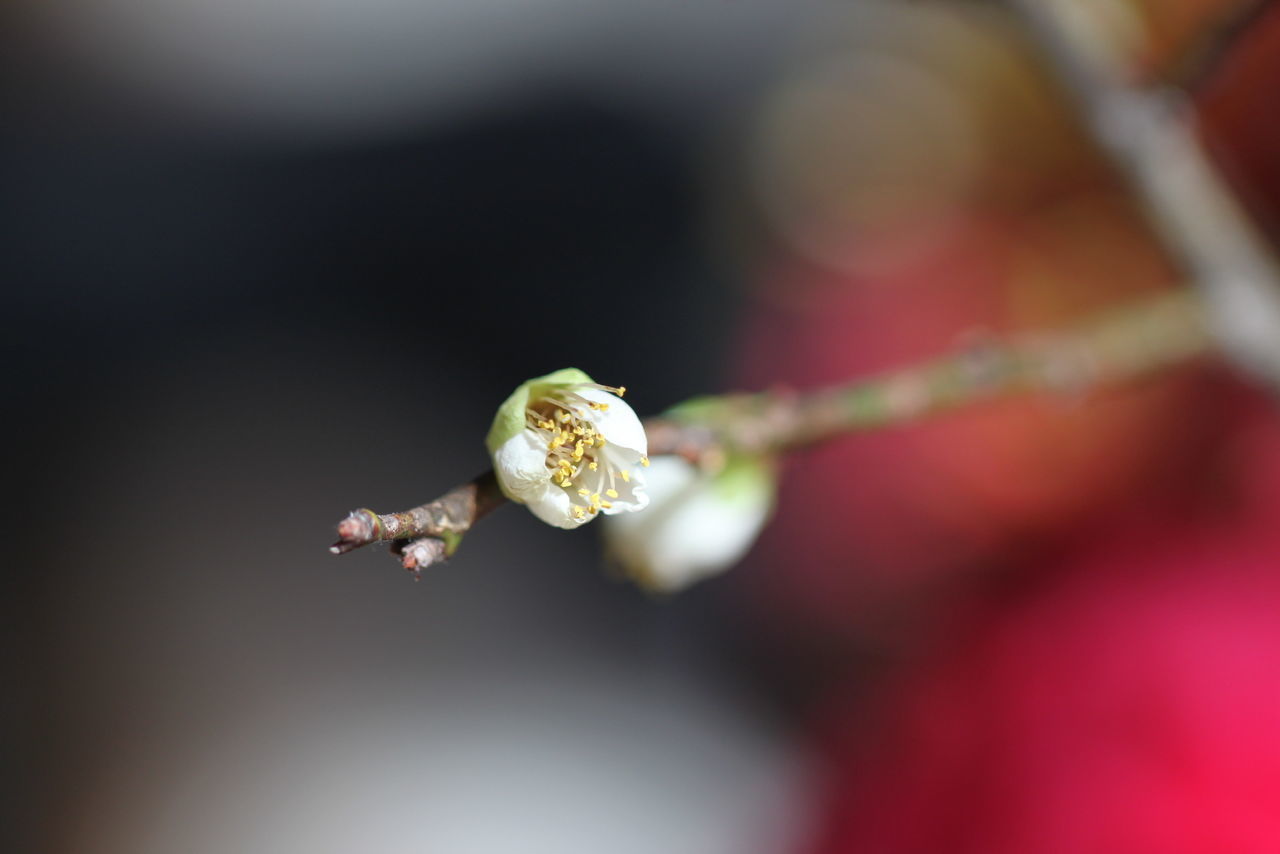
(1134, 340)
(444, 520)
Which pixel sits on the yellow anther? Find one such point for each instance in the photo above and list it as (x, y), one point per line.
(644, 461)
(593, 465)
(622, 390)
(584, 492)
(612, 493)
(606, 505)
(626, 476)
(599, 441)
(564, 417)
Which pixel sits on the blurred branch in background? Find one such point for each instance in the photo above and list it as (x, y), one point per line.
(1149, 135)
(1132, 341)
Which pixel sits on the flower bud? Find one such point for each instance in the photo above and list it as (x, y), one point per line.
(699, 524)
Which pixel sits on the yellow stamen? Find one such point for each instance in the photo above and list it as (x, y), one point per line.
(644, 461)
(612, 493)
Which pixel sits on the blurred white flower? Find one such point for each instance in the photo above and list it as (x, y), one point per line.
(569, 449)
(700, 524)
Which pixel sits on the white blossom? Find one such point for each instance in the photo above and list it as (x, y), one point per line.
(698, 525)
(570, 449)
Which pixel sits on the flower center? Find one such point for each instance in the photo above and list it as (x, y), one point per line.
(575, 445)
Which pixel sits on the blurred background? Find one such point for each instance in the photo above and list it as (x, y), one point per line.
(265, 262)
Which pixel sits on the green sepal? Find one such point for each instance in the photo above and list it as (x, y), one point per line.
(746, 478)
(509, 420)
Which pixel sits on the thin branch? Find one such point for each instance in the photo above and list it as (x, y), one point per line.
(446, 519)
(1150, 138)
(1135, 340)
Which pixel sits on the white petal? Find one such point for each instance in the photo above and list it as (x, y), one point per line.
(521, 466)
(619, 424)
(556, 508)
(632, 494)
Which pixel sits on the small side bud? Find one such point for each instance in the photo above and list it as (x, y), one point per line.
(698, 524)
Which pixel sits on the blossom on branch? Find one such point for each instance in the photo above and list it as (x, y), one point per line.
(569, 449)
(700, 523)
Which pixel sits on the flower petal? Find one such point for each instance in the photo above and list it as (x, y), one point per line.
(521, 466)
(555, 507)
(632, 495)
(619, 424)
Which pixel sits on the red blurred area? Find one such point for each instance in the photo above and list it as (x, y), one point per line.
(1126, 704)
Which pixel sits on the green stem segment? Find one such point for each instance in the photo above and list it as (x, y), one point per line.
(1135, 340)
